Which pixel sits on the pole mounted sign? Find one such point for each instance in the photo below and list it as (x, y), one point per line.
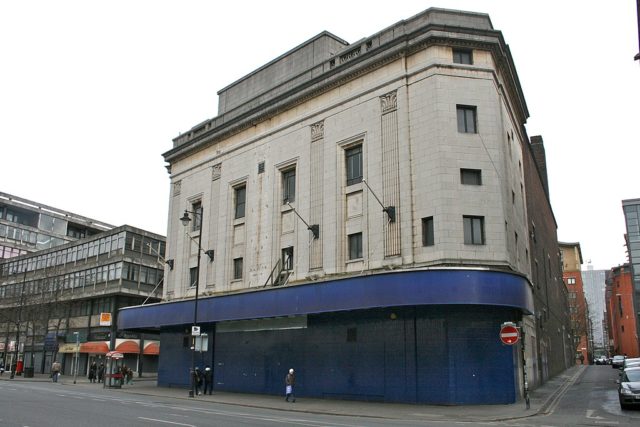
(509, 333)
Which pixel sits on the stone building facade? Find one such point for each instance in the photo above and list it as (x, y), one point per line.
(364, 211)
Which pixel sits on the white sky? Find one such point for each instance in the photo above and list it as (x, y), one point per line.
(93, 92)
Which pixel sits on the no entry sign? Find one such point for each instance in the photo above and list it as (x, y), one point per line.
(509, 334)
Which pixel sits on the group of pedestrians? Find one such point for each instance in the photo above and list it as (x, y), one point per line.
(202, 378)
(96, 373)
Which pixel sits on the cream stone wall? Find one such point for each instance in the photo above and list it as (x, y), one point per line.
(429, 153)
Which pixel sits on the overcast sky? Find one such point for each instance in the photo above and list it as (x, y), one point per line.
(93, 92)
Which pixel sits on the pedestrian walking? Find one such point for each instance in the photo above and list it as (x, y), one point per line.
(581, 358)
(129, 376)
(197, 382)
(208, 380)
(55, 370)
(290, 382)
(101, 373)
(93, 372)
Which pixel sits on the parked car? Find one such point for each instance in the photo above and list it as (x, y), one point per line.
(629, 360)
(601, 360)
(617, 361)
(629, 388)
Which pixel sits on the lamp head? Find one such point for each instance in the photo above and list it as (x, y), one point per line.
(185, 218)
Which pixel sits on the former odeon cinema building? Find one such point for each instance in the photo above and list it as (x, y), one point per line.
(357, 213)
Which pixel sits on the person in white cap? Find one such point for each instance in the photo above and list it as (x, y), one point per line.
(290, 381)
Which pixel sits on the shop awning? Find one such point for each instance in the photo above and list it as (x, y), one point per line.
(152, 348)
(98, 347)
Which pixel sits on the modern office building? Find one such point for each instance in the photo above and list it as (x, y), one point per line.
(62, 303)
(363, 212)
(579, 309)
(623, 333)
(27, 226)
(631, 208)
(594, 282)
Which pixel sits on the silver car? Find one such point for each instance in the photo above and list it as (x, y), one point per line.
(629, 388)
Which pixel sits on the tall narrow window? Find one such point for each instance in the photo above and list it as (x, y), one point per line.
(353, 158)
(193, 276)
(287, 258)
(288, 186)
(196, 208)
(240, 194)
(355, 246)
(471, 176)
(427, 231)
(473, 230)
(466, 119)
(462, 56)
(237, 269)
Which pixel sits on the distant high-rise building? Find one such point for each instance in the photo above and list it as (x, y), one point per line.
(594, 290)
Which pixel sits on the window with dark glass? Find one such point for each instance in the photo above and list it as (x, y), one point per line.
(427, 231)
(466, 119)
(287, 258)
(473, 230)
(355, 246)
(353, 158)
(240, 194)
(471, 176)
(193, 276)
(237, 268)
(288, 186)
(462, 56)
(196, 222)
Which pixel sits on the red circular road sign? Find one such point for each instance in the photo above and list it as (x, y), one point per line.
(509, 334)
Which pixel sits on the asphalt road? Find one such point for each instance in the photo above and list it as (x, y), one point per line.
(590, 401)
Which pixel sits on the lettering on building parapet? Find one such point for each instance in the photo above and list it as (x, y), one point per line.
(350, 55)
(216, 171)
(317, 131)
(177, 188)
(389, 102)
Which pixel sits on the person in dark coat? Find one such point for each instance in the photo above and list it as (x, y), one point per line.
(101, 372)
(197, 382)
(93, 371)
(208, 380)
(290, 382)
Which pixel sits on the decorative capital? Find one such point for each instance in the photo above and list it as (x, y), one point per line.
(216, 171)
(317, 131)
(389, 102)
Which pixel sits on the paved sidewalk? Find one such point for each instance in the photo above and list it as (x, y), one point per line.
(542, 400)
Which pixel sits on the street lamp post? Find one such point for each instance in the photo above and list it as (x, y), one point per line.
(75, 370)
(185, 221)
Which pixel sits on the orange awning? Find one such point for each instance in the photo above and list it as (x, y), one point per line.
(99, 347)
(152, 348)
(128, 346)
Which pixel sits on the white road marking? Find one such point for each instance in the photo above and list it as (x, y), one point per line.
(166, 422)
(590, 415)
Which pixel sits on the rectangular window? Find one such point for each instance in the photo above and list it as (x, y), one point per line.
(620, 304)
(240, 194)
(427, 231)
(355, 246)
(466, 119)
(237, 269)
(196, 208)
(288, 186)
(462, 56)
(287, 258)
(193, 276)
(353, 158)
(571, 280)
(471, 176)
(473, 230)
